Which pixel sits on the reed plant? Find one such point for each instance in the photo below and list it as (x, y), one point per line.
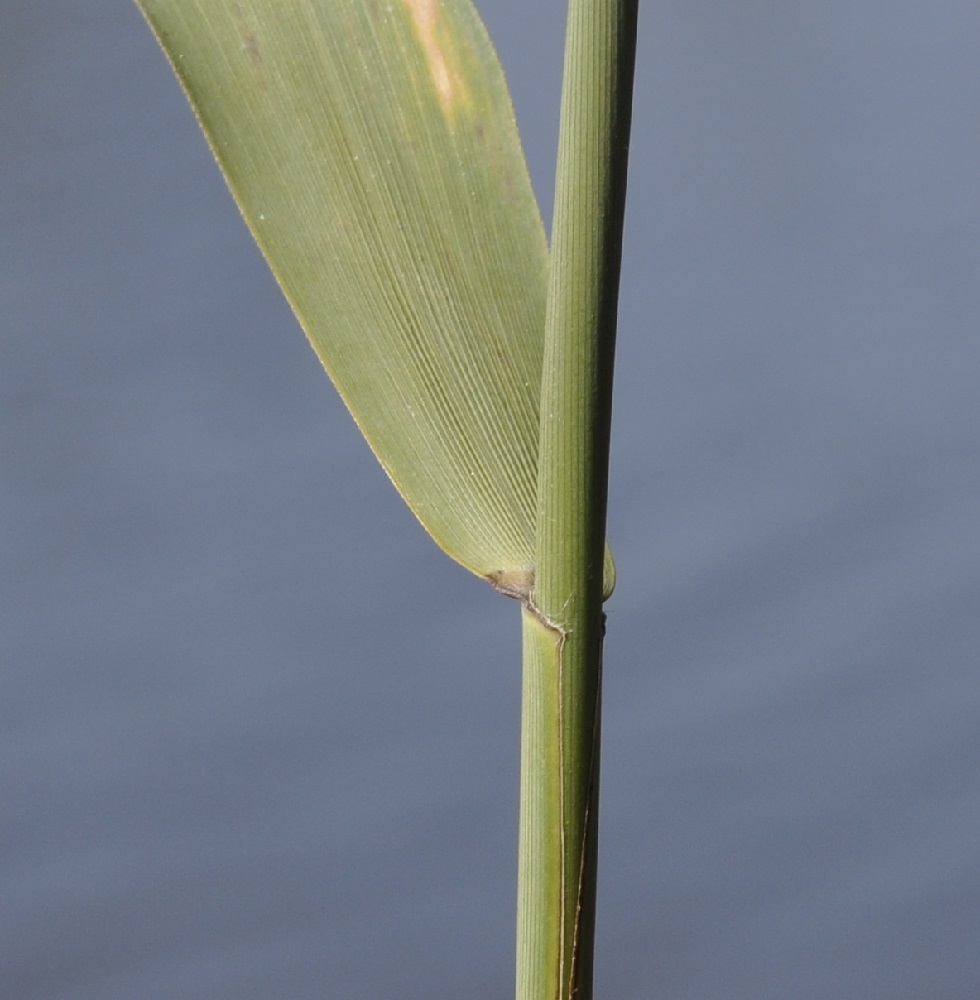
(372, 149)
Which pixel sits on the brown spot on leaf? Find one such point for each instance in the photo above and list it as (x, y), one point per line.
(251, 45)
(250, 40)
(516, 583)
(447, 79)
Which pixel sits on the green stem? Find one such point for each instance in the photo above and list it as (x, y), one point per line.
(563, 624)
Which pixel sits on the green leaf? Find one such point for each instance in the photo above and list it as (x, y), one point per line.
(372, 149)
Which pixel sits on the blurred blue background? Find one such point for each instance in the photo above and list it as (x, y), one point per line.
(259, 738)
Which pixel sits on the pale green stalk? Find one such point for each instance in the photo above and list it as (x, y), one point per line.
(563, 621)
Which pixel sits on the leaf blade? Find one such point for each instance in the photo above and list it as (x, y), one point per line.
(373, 152)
